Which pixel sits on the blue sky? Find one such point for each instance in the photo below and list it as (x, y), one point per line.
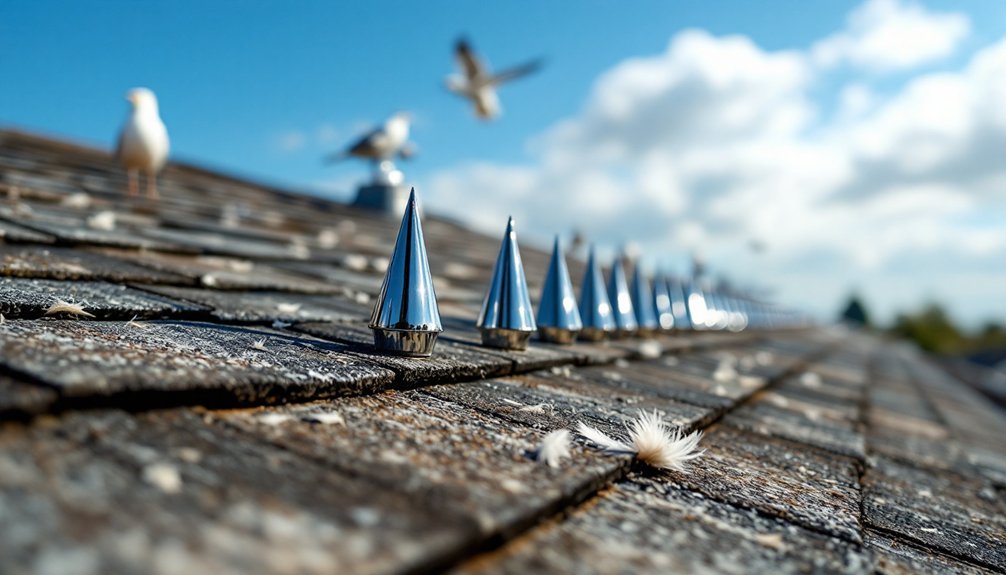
(234, 78)
(266, 89)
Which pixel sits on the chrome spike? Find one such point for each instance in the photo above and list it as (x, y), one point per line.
(698, 309)
(621, 301)
(642, 301)
(662, 303)
(406, 319)
(595, 307)
(558, 316)
(679, 304)
(506, 319)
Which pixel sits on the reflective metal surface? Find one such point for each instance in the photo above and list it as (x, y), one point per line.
(506, 338)
(558, 317)
(621, 300)
(595, 308)
(662, 303)
(695, 301)
(679, 304)
(642, 301)
(406, 319)
(408, 343)
(507, 319)
(559, 335)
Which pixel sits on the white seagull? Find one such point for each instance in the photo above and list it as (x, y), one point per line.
(143, 141)
(478, 84)
(383, 143)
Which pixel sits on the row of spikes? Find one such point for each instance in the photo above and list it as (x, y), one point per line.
(406, 318)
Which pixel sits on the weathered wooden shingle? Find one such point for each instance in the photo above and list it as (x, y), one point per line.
(805, 486)
(21, 398)
(268, 306)
(32, 298)
(645, 525)
(451, 361)
(949, 513)
(467, 462)
(109, 492)
(70, 264)
(160, 358)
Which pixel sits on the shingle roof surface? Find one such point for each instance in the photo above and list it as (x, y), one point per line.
(224, 412)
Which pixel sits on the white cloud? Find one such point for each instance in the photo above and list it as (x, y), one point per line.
(716, 142)
(323, 137)
(291, 141)
(327, 134)
(889, 35)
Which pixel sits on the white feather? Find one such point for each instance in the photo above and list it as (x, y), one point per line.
(658, 446)
(61, 306)
(598, 437)
(554, 447)
(652, 442)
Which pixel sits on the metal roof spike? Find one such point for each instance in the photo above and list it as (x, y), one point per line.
(558, 315)
(621, 300)
(406, 319)
(642, 301)
(507, 319)
(662, 303)
(595, 307)
(678, 294)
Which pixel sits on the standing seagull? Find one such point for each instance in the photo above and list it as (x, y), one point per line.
(478, 84)
(143, 141)
(383, 143)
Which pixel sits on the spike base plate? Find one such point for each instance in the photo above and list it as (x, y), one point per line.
(594, 334)
(557, 334)
(407, 343)
(505, 338)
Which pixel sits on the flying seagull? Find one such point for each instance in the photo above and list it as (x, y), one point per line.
(143, 141)
(383, 143)
(478, 84)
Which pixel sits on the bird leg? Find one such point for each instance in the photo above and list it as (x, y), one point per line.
(134, 182)
(152, 186)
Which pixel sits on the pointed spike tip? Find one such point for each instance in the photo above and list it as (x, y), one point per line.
(558, 314)
(507, 319)
(406, 318)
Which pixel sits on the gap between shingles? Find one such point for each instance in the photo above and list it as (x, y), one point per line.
(864, 469)
(925, 548)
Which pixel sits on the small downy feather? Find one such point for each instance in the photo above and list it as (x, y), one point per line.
(136, 324)
(598, 437)
(651, 441)
(554, 447)
(68, 308)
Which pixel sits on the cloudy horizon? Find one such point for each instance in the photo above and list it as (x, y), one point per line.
(716, 144)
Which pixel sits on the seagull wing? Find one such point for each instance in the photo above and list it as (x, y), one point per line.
(514, 73)
(467, 60)
(365, 146)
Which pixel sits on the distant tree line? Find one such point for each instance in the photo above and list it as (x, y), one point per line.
(932, 329)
